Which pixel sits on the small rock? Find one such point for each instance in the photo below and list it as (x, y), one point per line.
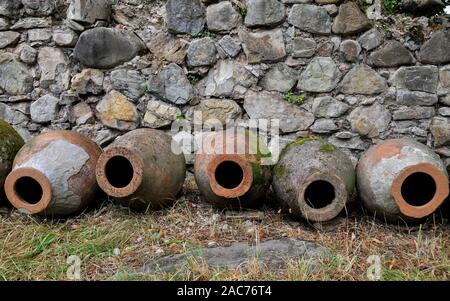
(4, 24)
(88, 12)
(350, 20)
(81, 113)
(370, 121)
(329, 107)
(11, 115)
(115, 111)
(362, 79)
(444, 80)
(214, 110)
(9, 8)
(39, 7)
(279, 78)
(222, 17)
(230, 46)
(303, 47)
(160, 114)
(263, 46)
(104, 48)
(413, 113)
(185, 16)
(445, 111)
(345, 135)
(371, 39)
(88, 81)
(415, 98)
(322, 2)
(310, 18)
(417, 78)
(15, 77)
(129, 82)
(353, 143)
(323, 126)
(164, 46)
(44, 109)
(321, 75)
(201, 52)
(39, 35)
(271, 105)
(440, 128)
(29, 23)
(264, 13)
(55, 72)
(227, 79)
(68, 98)
(445, 100)
(28, 55)
(391, 55)
(65, 38)
(350, 49)
(437, 49)
(8, 38)
(172, 84)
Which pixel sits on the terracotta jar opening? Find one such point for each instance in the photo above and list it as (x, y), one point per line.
(419, 190)
(230, 176)
(322, 196)
(319, 194)
(28, 190)
(119, 172)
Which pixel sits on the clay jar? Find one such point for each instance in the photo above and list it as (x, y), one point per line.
(143, 169)
(314, 180)
(401, 180)
(229, 170)
(54, 175)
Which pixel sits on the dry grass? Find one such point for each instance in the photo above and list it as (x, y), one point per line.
(113, 243)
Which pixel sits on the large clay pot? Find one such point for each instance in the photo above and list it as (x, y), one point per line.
(228, 169)
(402, 180)
(143, 169)
(314, 179)
(54, 175)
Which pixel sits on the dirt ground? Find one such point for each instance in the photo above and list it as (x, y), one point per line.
(110, 242)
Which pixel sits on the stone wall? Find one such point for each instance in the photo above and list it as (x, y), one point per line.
(321, 66)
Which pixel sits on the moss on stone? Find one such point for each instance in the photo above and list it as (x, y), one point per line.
(299, 141)
(280, 171)
(257, 173)
(351, 183)
(10, 141)
(327, 148)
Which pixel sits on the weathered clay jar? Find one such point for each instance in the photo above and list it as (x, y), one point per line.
(54, 175)
(401, 180)
(228, 169)
(144, 169)
(314, 179)
(10, 144)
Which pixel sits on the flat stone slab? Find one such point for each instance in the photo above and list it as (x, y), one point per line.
(272, 253)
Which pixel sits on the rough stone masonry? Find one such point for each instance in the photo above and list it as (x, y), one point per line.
(324, 67)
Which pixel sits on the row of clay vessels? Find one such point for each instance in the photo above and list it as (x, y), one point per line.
(57, 174)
